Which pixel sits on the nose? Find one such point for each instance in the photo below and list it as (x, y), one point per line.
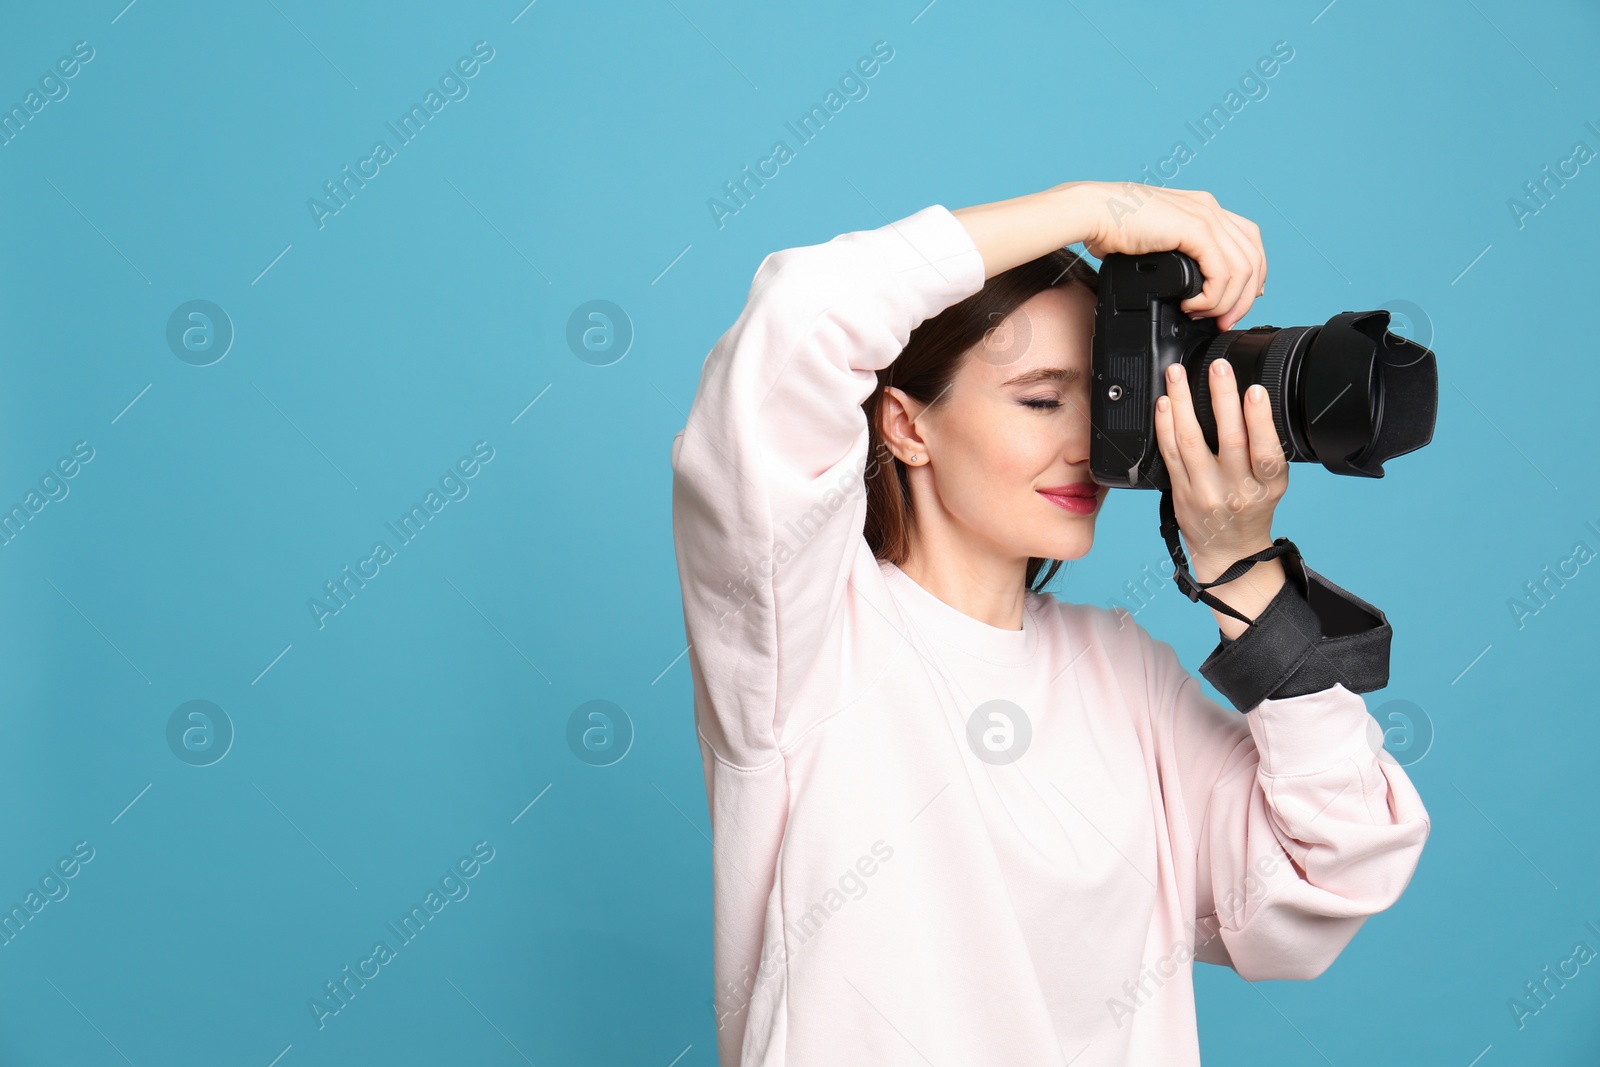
(1076, 433)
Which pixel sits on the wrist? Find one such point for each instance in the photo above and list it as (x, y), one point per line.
(1208, 566)
(1011, 232)
(1071, 202)
(1248, 594)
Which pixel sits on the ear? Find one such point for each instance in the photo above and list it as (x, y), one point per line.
(897, 415)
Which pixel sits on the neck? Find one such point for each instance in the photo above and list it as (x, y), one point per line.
(983, 585)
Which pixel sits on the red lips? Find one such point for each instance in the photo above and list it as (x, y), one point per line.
(1079, 498)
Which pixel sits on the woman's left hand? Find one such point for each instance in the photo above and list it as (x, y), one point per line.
(1223, 501)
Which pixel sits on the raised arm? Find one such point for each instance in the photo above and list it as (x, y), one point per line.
(1131, 218)
(768, 497)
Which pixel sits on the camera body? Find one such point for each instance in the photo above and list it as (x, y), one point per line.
(1348, 394)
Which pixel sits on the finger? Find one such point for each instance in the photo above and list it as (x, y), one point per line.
(1267, 459)
(1248, 237)
(1205, 245)
(1191, 440)
(1225, 269)
(1251, 283)
(1197, 238)
(1166, 438)
(1253, 245)
(1239, 271)
(1233, 440)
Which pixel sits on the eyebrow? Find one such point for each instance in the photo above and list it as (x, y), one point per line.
(1063, 375)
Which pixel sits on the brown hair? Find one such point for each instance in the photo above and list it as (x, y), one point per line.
(925, 369)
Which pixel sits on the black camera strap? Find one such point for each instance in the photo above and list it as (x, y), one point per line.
(1196, 590)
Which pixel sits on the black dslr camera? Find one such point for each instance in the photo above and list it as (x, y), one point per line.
(1347, 394)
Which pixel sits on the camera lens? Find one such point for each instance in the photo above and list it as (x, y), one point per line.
(1348, 394)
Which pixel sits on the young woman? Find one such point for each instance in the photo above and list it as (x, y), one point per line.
(957, 820)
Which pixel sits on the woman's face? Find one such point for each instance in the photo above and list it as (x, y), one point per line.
(1014, 423)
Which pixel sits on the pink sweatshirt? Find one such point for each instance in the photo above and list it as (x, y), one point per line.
(884, 894)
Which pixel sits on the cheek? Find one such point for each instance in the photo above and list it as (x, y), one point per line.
(996, 462)
(995, 447)
(1022, 444)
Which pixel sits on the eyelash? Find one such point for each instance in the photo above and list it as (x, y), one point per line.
(1040, 403)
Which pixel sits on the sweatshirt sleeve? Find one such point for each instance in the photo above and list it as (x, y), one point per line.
(768, 504)
(1300, 824)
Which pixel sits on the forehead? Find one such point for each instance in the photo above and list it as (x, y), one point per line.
(1053, 328)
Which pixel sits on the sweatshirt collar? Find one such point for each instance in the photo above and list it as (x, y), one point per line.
(958, 631)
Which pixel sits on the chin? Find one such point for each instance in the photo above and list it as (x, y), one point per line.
(1073, 546)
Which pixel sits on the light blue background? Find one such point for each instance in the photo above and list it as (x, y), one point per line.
(432, 310)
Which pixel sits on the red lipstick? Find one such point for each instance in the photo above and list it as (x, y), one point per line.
(1080, 498)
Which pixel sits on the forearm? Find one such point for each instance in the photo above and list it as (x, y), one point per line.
(1023, 228)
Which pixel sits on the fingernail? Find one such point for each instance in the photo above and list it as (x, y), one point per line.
(1221, 365)
(1257, 393)
(1174, 371)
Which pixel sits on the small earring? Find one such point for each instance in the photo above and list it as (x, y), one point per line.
(914, 459)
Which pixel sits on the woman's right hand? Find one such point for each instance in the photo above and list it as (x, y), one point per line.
(1131, 218)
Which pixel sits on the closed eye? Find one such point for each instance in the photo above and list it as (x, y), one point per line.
(1040, 402)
